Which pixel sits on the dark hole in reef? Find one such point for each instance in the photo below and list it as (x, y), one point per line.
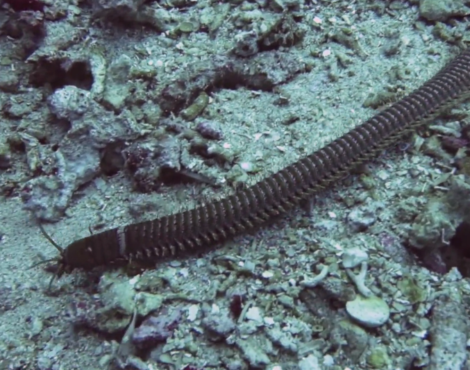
(31, 34)
(112, 159)
(433, 259)
(461, 240)
(236, 305)
(170, 177)
(233, 80)
(21, 5)
(455, 254)
(54, 74)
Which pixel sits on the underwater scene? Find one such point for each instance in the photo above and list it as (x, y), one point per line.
(234, 184)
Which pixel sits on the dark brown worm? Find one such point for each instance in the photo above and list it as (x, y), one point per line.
(218, 220)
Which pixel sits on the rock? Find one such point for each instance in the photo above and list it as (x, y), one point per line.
(370, 312)
(352, 339)
(431, 223)
(148, 302)
(210, 130)
(77, 161)
(219, 325)
(361, 220)
(5, 156)
(9, 81)
(117, 292)
(378, 358)
(253, 353)
(309, 363)
(282, 338)
(116, 86)
(254, 314)
(449, 330)
(157, 328)
(442, 10)
(353, 257)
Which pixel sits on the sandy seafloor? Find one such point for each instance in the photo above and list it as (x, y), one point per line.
(38, 329)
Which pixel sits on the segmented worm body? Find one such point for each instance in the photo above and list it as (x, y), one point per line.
(216, 221)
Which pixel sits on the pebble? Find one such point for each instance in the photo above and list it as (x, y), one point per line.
(175, 263)
(371, 312)
(37, 326)
(254, 314)
(192, 312)
(267, 274)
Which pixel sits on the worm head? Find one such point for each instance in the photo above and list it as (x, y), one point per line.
(60, 261)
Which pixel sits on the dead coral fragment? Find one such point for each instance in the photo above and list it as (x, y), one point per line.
(195, 109)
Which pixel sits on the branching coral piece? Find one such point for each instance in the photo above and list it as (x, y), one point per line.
(313, 282)
(359, 280)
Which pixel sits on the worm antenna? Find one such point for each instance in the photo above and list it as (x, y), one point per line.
(59, 248)
(42, 263)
